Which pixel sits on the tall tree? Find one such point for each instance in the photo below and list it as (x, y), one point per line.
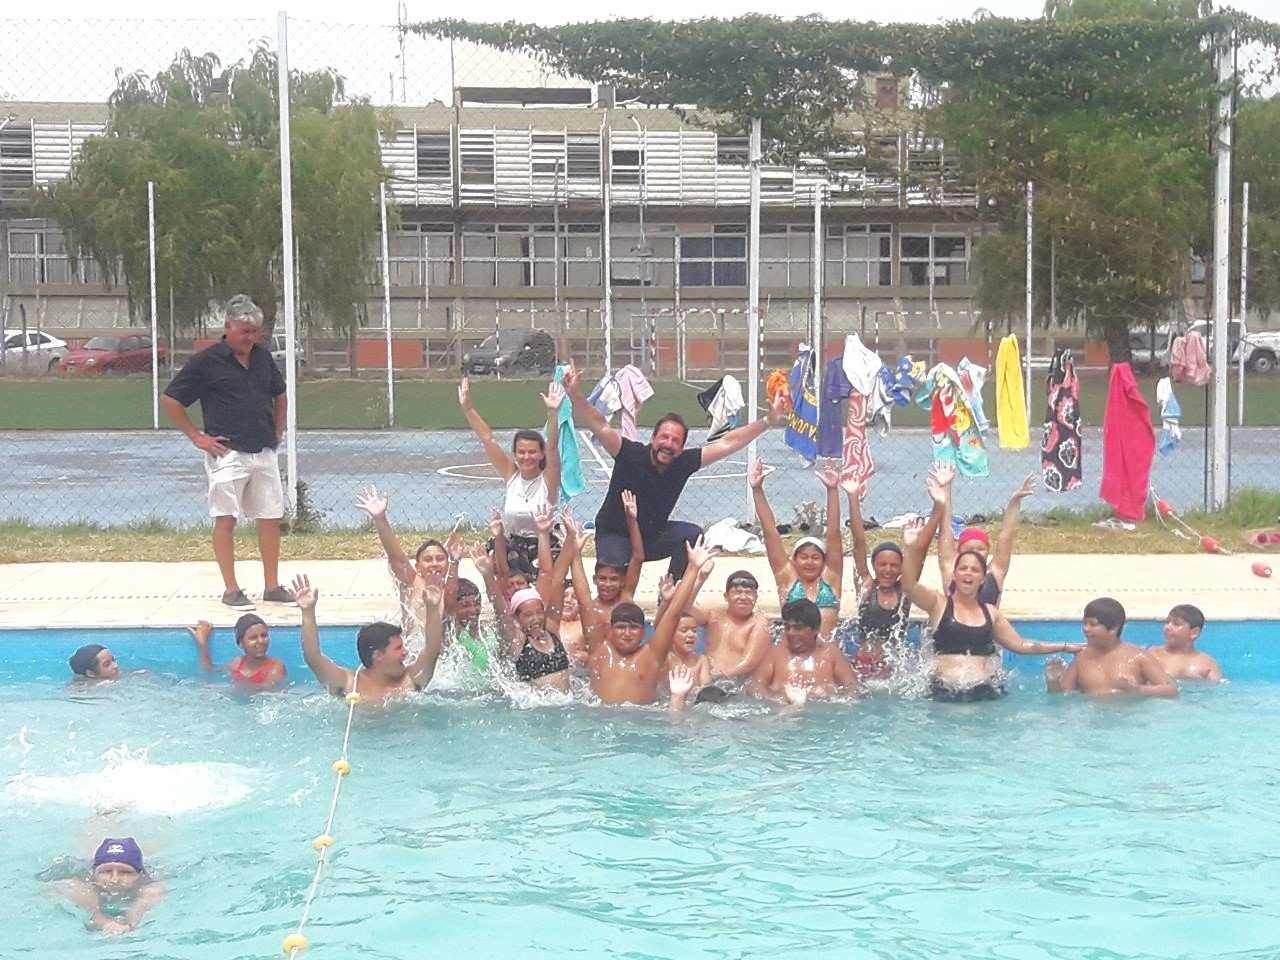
(208, 137)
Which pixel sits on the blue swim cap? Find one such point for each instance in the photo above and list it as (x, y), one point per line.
(123, 850)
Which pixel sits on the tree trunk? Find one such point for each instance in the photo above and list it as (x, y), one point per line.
(1116, 332)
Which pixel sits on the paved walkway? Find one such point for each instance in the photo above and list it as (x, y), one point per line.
(1043, 586)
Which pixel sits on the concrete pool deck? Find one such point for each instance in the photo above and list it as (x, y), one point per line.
(1041, 586)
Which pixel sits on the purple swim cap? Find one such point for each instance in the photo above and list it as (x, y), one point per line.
(124, 850)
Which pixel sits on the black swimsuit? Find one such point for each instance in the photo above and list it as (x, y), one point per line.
(952, 638)
(533, 664)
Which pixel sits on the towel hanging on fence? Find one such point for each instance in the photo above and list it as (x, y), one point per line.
(802, 421)
(955, 435)
(572, 482)
(1061, 451)
(1128, 446)
(972, 378)
(723, 403)
(634, 389)
(1170, 417)
(1011, 410)
(835, 389)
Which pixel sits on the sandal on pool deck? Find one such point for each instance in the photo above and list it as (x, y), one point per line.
(237, 599)
(278, 595)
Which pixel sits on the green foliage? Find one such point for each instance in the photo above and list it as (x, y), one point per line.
(1257, 162)
(209, 139)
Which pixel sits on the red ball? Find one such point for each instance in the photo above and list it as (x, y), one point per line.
(1209, 545)
(1164, 507)
(1261, 569)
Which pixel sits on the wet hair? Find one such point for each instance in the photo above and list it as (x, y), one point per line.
(533, 436)
(520, 565)
(85, 659)
(466, 588)
(672, 418)
(619, 568)
(887, 546)
(711, 694)
(803, 612)
(969, 553)
(1192, 616)
(428, 543)
(627, 613)
(741, 578)
(1107, 612)
(373, 638)
(244, 623)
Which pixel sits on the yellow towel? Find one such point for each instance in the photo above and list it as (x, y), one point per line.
(1011, 400)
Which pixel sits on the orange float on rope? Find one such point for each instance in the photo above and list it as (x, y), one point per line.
(1261, 568)
(1209, 545)
(1164, 508)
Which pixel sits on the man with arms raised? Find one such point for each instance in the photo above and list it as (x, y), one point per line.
(382, 672)
(656, 474)
(241, 395)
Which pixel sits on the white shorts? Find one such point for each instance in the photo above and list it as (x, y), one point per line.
(245, 484)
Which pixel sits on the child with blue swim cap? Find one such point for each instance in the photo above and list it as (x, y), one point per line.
(118, 890)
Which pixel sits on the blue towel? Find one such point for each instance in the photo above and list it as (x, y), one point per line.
(802, 422)
(572, 481)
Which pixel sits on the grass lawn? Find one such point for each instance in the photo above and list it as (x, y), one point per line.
(1058, 531)
(57, 403)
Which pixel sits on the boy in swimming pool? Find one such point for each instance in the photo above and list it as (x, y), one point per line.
(253, 668)
(803, 666)
(94, 663)
(383, 672)
(737, 633)
(625, 669)
(118, 891)
(1108, 665)
(1179, 656)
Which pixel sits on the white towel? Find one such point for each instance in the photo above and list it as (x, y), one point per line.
(861, 365)
(725, 405)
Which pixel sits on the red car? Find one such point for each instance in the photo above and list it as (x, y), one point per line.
(129, 353)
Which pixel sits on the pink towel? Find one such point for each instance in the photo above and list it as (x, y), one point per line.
(1188, 360)
(1128, 446)
(635, 390)
(858, 464)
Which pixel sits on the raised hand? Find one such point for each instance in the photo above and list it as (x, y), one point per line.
(939, 482)
(553, 398)
(544, 518)
(453, 546)
(779, 407)
(796, 691)
(572, 378)
(699, 554)
(680, 680)
(666, 589)
(1027, 489)
(572, 530)
(483, 562)
(200, 632)
(912, 531)
(433, 590)
(303, 594)
(629, 506)
(755, 474)
(464, 393)
(495, 522)
(372, 502)
(829, 476)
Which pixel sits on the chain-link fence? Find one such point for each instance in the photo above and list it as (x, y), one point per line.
(531, 218)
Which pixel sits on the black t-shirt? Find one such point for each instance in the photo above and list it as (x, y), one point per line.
(237, 401)
(656, 491)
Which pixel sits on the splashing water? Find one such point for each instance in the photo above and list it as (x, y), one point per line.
(130, 781)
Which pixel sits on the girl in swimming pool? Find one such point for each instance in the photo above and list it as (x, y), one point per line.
(118, 891)
(253, 668)
(815, 568)
(432, 559)
(966, 631)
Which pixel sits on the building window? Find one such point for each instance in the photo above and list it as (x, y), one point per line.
(475, 152)
(786, 256)
(626, 167)
(524, 255)
(547, 155)
(643, 262)
(584, 157)
(715, 260)
(17, 164)
(409, 246)
(434, 157)
(39, 255)
(859, 255)
(734, 150)
(945, 257)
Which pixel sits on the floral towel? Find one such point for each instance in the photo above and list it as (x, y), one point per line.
(1060, 450)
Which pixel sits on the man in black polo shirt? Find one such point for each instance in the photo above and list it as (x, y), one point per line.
(241, 395)
(656, 474)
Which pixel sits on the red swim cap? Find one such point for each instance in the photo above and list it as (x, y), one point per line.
(972, 533)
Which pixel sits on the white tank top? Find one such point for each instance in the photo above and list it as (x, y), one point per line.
(522, 499)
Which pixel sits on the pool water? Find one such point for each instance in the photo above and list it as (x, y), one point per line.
(1029, 827)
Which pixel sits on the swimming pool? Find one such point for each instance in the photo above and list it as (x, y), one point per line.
(1028, 827)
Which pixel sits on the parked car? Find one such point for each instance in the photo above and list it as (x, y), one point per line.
(127, 353)
(513, 350)
(278, 352)
(1148, 353)
(35, 349)
(1261, 351)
